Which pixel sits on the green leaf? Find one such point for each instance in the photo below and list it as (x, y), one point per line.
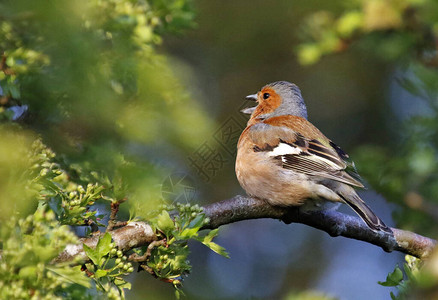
(188, 233)
(101, 273)
(72, 274)
(178, 292)
(102, 248)
(122, 283)
(28, 272)
(408, 272)
(209, 237)
(193, 227)
(164, 222)
(403, 288)
(104, 245)
(216, 248)
(394, 278)
(92, 254)
(197, 222)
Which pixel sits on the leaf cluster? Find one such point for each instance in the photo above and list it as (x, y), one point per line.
(61, 190)
(84, 77)
(404, 280)
(108, 266)
(26, 270)
(169, 261)
(392, 30)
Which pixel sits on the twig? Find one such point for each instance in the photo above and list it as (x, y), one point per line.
(121, 223)
(112, 219)
(140, 258)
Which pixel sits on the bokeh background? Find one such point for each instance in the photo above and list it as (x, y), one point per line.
(149, 93)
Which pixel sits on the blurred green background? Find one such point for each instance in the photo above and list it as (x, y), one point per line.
(150, 93)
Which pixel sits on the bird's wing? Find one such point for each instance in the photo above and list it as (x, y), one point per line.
(301, 147)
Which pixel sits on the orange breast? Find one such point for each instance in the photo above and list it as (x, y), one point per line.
(263, 177)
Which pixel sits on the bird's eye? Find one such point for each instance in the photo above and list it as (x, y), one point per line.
(266, 96)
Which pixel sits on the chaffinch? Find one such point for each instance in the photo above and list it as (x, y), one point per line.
(284, 159)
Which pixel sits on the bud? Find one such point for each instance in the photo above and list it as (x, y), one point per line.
(44, 172)
(81, 189)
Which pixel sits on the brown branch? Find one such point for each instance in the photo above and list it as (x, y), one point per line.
(241, 208)
(112, 219)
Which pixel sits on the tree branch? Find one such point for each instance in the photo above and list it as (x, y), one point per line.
(239, 208)
(133, 235)
(334, 223)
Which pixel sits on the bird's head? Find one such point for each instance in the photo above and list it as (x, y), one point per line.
(277, 99)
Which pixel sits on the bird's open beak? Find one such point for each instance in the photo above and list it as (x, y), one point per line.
(250, 110)
(252, 97)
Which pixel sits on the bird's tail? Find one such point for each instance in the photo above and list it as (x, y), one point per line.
(365, 212)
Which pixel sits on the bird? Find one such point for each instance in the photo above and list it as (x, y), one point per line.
(285, 160)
